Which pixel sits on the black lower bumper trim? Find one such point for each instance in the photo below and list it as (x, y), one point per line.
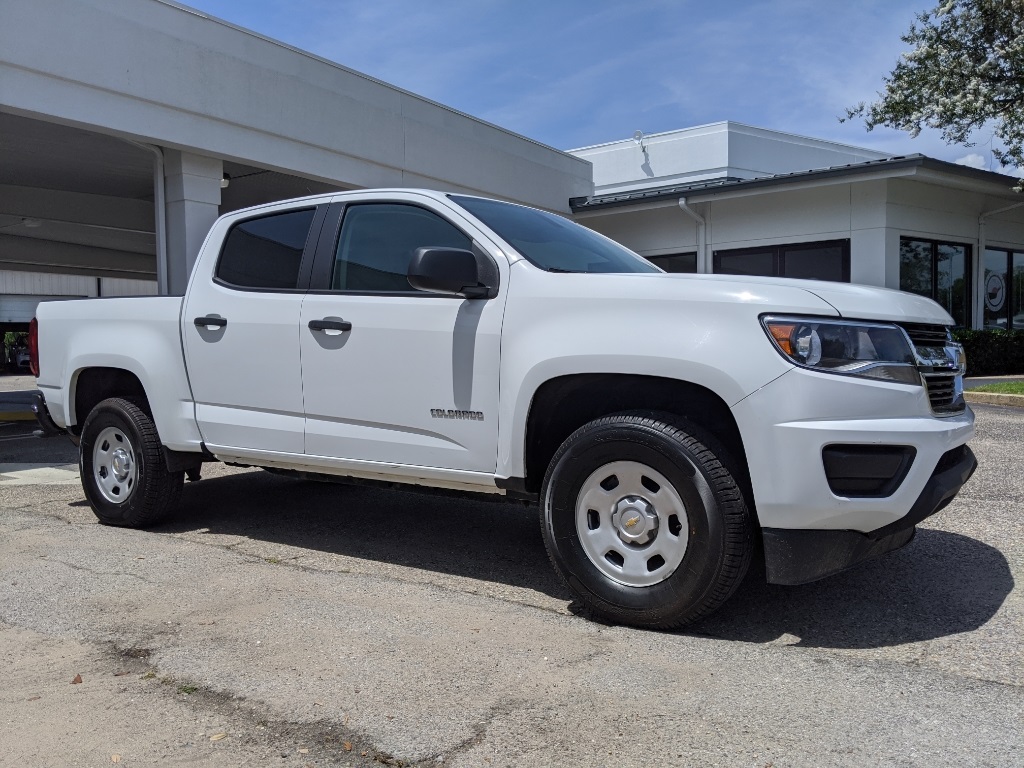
(47, 425)
(798, 556)
(952, 472)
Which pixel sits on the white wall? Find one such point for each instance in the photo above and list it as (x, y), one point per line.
(654, 232)
(712, 151)
(13, 282)
(872, 213)
(776, 216)
(42, 284)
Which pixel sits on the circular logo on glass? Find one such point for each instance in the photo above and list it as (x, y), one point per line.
(995, 292)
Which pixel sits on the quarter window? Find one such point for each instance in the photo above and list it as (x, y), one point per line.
(938, 271)
(377, 241)
(265, 253)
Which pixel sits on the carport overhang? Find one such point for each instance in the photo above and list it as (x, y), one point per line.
(105, 108)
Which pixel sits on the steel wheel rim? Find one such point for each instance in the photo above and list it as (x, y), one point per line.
(114, 468)
(631, 523)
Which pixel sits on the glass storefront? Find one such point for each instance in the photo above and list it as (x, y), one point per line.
(1003, 291)
(940, 271)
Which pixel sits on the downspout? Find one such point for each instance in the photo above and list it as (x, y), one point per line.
(159, 204)
(702, 228)
(979, 271)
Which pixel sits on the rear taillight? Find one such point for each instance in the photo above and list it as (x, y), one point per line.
(33, 347)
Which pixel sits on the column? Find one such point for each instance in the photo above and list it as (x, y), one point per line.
(192, 203)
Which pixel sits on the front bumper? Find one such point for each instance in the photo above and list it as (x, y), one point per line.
(798, 556)
(787, 425)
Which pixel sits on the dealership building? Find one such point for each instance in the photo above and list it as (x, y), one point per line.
(733, 199)
(126, 128)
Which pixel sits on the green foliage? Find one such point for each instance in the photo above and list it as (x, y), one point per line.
(992, 352)
(965, 71)
(1002, 388)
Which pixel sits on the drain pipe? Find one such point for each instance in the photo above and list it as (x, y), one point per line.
(702, 229)
(979, 271)
(159, 204)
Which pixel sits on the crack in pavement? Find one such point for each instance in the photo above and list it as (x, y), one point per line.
(95, 572)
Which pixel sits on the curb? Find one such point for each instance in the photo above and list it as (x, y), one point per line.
(994, 398)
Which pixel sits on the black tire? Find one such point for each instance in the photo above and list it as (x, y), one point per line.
(717, 548)
(148, 491)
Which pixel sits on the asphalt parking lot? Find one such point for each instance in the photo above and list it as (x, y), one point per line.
(284, 622)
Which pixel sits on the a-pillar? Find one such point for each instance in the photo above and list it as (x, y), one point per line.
(192, 184)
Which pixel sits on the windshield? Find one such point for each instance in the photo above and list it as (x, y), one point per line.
(551, 242)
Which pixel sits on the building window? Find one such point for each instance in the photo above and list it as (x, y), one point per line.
(827, 260)
(939, 271)
(675, 262)
(1004, 288)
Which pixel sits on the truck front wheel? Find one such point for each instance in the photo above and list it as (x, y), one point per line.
(124, 473)
(644, 522)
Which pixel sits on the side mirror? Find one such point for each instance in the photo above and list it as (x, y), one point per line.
(454, 271)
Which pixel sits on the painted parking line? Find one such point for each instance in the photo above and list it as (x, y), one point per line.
(38, 474)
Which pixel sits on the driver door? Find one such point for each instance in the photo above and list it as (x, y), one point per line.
(390, 374)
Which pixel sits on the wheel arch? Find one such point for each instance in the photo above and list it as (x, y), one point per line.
(563, 404)
(94, 384)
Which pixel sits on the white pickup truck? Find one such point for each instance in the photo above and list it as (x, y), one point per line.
(667, 425)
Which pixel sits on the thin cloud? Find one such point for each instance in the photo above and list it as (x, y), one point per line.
(579, 72)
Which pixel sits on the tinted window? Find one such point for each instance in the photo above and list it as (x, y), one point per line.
(747, 263)
(828, 260)
(676, 262)
(916, 267)
(1018, 291)
(265, 252)
(816, 262)
(377, 241)
(940, 271)
(997, 289)
(551, 242)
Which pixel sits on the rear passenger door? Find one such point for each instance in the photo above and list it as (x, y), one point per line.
(393, 375)
(241, 331)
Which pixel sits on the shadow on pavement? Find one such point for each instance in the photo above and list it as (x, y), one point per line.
(491, 541)
(941, 584)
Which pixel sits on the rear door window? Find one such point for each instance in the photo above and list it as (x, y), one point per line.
(265, 253)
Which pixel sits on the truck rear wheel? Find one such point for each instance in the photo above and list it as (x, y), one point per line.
(123, 469)
(644, 522)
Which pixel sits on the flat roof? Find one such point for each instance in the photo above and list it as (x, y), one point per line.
(710, 187)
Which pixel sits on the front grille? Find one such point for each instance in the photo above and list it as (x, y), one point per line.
(941, 385)
(942, 392)
(927, 335)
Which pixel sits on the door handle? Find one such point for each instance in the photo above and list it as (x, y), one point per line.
(330, 325)
(206, 322)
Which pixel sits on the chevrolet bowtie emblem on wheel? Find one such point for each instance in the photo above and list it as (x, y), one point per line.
(632, 521)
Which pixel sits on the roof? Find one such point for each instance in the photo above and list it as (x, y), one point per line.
(729, 183)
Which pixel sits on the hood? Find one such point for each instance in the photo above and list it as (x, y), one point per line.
(865, 302)
(861, 302)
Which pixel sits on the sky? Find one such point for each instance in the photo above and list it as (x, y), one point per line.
(569, 73)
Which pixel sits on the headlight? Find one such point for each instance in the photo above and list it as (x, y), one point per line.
(850, 348)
